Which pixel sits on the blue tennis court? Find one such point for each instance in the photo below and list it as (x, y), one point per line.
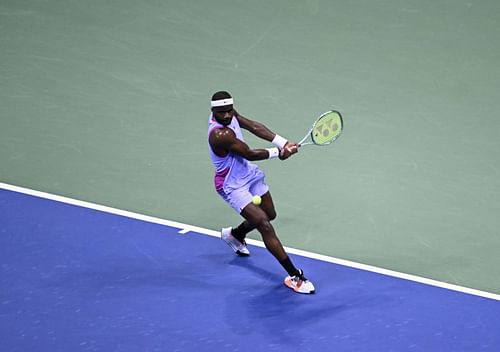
(80, 279)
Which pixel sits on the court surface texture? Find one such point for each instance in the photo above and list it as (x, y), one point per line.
(76, 278)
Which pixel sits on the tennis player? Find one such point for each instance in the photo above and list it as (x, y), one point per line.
(237, 180)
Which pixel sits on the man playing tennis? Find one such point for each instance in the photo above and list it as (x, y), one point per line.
(237, 180)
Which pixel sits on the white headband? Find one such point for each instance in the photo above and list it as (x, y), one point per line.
(222, 102)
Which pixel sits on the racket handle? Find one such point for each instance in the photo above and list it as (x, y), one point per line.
(303, 139)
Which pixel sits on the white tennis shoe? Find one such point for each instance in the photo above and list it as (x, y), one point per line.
(299, 283)
(238, 247)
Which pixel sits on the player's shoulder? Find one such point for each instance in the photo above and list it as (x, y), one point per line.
(222, 134)
(222, 130)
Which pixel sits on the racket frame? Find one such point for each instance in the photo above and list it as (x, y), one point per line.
(301, 143)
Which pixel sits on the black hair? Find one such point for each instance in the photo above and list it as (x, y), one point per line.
(221, 95)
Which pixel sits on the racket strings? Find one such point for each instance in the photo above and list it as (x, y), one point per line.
(327, 128)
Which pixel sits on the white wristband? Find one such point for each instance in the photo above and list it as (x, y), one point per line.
(279, 141)
(273, 152)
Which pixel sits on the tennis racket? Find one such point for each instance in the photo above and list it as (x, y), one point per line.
(327, 128)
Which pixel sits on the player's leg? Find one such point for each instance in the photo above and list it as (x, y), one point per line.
(242, 230)
(268, 206)
(245, 227)
(255, 215)
(235, 200)
(261, 216)
(260, 188)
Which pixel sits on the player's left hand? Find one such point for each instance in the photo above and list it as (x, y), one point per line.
(288, 150)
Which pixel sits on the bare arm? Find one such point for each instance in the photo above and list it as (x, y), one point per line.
(260, 130)
(224, 141)
(255, 127)
(263, 132)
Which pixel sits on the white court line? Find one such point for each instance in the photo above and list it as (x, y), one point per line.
(184, 228)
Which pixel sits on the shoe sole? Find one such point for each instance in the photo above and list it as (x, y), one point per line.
(236, 250)
(289, 285)
(240, 254)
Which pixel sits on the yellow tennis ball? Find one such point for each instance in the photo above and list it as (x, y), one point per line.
(256, 200)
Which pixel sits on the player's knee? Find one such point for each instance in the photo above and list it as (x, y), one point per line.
(263, 225)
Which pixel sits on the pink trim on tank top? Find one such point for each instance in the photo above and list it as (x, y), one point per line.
(219, 179)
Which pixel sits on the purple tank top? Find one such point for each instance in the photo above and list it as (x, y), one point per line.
(231, 171)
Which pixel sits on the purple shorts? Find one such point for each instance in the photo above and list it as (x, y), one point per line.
(241, 197)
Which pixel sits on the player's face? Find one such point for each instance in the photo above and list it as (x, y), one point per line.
(223, 114)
